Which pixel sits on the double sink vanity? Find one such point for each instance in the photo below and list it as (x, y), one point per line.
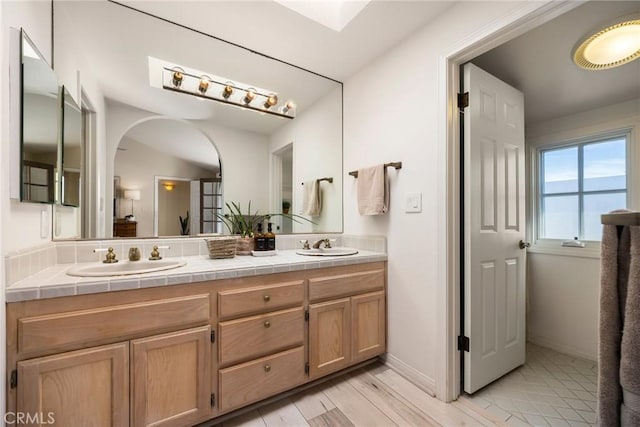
(186, 344)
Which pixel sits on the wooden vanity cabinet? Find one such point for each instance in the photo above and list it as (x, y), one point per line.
(346, 330)
(134, 358)
(260, 354)
(170, 378)
(77, 388)
(180, 355)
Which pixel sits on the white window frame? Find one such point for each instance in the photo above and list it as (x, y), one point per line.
(554, 246)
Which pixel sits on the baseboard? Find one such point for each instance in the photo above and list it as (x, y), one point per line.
(562, 348)
(420, 380)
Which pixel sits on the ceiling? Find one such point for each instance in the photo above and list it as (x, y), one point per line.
(271, 28)
(539, 64)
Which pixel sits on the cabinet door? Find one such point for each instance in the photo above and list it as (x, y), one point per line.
(368, 326)
(171, 378)
(80, 388)
(329, 337)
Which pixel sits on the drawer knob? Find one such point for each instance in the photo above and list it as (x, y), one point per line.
(267, 324)
(267, 298)
(267, 368)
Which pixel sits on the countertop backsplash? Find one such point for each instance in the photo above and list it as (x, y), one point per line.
(22, 267)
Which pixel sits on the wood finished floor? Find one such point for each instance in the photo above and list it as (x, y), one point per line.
(371, 396)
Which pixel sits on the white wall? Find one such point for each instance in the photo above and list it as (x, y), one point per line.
(244, 155)
(316, 135)
(564, 290)
(4, 194)
(137, 168)
(21, 221)
(392, 113)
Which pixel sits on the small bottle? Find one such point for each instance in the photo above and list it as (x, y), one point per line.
(259, 239)
(270, 238)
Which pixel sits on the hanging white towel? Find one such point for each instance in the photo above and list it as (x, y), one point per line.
(311, 198)
(373, 191)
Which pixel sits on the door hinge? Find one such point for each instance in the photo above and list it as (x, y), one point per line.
(306, 368)
(306, 314)
(463, 343)
(463, 100)
(14, 379)
(213, 336)
(213, 400)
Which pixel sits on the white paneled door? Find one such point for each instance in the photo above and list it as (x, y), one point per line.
(494, 215)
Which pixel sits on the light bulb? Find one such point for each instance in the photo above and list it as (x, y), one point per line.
(177, 76)
(228, 90)
(204, 84)
(251, 93)
(272, 100)
(288, 106)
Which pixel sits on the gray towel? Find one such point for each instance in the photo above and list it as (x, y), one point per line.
(613, 265)
(630, 346)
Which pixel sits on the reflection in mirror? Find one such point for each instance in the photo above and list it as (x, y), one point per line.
(119, 70)
(72, 150)
(157, 148)
(40, 107)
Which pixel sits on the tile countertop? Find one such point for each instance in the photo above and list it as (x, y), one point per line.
(54, 282)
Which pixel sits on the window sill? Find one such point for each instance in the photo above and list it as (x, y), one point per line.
(592, 250)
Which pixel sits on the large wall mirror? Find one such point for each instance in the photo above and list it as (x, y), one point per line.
(40, 111)
(170, 153)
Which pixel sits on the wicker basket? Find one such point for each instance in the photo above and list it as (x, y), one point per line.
(222, 247)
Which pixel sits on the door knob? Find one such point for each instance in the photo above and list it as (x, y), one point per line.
(523, 244)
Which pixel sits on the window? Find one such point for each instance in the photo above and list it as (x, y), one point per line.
(578, 183)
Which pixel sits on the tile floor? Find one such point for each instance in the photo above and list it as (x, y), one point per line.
(551, 389)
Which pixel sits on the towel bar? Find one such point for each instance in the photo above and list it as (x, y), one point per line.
(328, 179)
(397, 165)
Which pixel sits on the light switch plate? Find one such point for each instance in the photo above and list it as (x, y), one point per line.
(413, 203)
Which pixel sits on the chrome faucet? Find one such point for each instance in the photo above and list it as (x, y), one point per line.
(327, 243)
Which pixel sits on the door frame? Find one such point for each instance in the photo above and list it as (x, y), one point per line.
(523, 18)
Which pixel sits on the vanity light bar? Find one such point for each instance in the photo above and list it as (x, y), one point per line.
(177, 80)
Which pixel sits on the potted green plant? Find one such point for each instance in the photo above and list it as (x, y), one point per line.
(286, 205)
(184, 225)
(245, 224)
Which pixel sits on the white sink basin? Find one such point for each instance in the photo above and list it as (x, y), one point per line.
(124, 267)
(327, 251)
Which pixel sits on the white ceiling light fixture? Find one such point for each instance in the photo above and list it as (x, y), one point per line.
(612, 46)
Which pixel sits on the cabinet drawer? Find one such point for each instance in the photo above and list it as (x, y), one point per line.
(251, 337)
(78, 328)
(255, 380)
(345, 284)
(259, 299)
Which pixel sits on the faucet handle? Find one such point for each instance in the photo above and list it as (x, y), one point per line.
(327, 243)
(155, 253)
(305, 244)
(110, 258)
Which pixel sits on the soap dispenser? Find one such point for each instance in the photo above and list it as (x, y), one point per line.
(270, 238)
(260, 240)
